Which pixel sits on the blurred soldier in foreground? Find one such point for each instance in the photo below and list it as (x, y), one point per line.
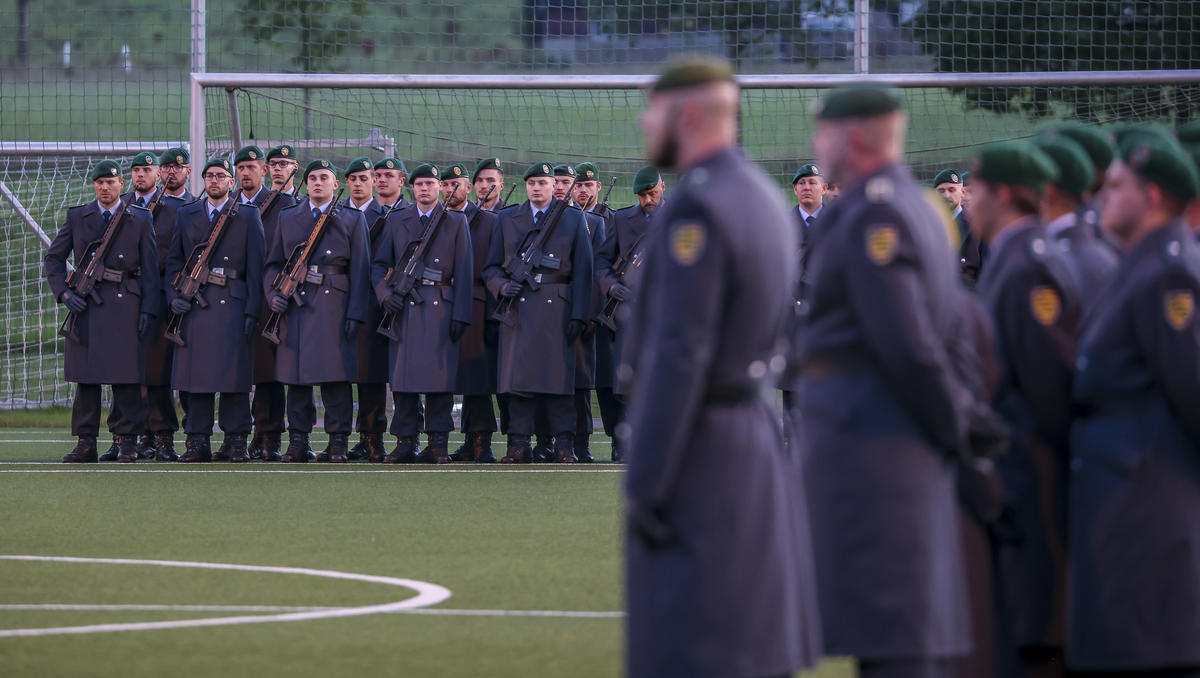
(718, 562)
(1135, 483)
(1032, 296)
(105, 324)
(880, 414)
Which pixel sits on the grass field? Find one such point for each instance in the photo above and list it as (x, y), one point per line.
(530, 557)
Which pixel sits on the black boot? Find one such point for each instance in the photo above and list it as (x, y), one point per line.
(196, 449)
(564, 448)
(270, 447)
(437, 451)
(297, 449)
(84, 452)
(373, 446)
(543, 452)
(618, 453)
(111, 454)
(519, 451)
(466, 451)
(164, 447)
(336, 452)
(483, 448)
(254, 449)
(359, 451)
(145, 446)
(405, 452)
(127, 449)
(222, 451)
(582, 452)
(235, 444)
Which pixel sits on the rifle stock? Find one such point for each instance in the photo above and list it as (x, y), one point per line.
(191, 286)
(520, 268)
(608, 315)
(83, 281)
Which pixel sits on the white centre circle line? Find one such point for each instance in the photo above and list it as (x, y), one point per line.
(427, 594)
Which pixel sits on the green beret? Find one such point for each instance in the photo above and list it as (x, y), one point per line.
(249, 154)
(1076, 173)
(361, 164)
(806, 170)
(587, 171)
(861, 100)
(538, 169)
(646, 179)
(391, 163)
(284, 151)
(175, 156)
(564, 170)
(947, 176)
(318, 164)
(425, 171)
(105, 169)
(486, 164)
(1189, 133)
(1162, 162)
(455, 171)
(145, 159)
(1121, 132)
(223, 163)
(1016, 163)
(691, 70)
(1095, 143)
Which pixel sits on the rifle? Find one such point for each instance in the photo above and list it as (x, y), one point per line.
(485, 197)
(508, 195)
(632, 258)
(602, 206)
(156, 204)
(378, 225)
(295, 270)
(191, 286)
(83, 281)
(404, 282)
(275, 198)
(520, 268)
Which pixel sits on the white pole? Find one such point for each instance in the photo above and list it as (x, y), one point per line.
(67, 55)
(196, 119)
(862, 45)
(125, 58)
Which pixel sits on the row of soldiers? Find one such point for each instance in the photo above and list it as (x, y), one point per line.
(992, 469)
(173, 293)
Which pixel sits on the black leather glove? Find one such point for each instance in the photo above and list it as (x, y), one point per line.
(143, 326)
(491, 334)
(574, 329)
(620, 292)
(74, 302)
(249, 327)
(180, 305)
(350, 329)
(457, 329)
(394, 303)
(510, 289)
(277, 303)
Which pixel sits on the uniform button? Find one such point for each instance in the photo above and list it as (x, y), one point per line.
(302, 293)
(435, 302)
(222, 301)
(328, 252)
(226, 258)
(757, 369)
(326, 291)
(778, 363)
(119, 295)
(549, 301)
(436, 260)
(412, 303)
(522, 298)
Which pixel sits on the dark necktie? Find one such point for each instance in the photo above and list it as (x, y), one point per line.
(212, 216)
(107, 217)
(537, 216)
(424, 221)
(809, 220)
(141, 201)
(316, 213)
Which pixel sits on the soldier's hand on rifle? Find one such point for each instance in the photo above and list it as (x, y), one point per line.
(394, 303)
(249, 328)
(143, 324)
(350, 329)
(457, 328)
(277, 303)
(510, 289)
(74, 302)
(620, 292)
(574, 329)
(180, 305)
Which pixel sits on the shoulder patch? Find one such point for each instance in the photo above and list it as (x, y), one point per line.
(1179, 306)
(1045, 304)
(882, 242)
(687, 242)
(879, 189)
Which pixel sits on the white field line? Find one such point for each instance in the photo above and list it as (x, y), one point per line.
(427, 594)
(71, 607)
